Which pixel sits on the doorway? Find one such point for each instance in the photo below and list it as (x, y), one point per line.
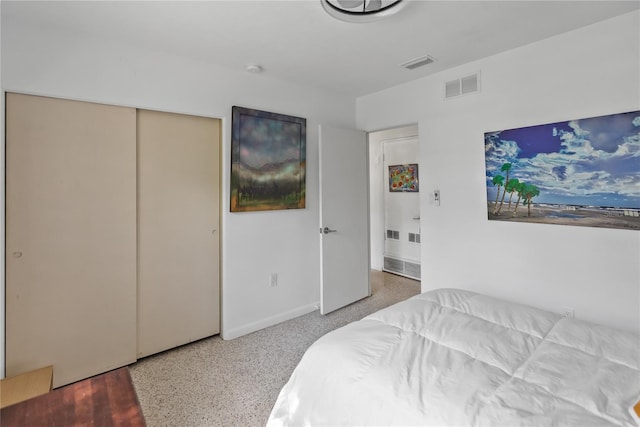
(394, 201)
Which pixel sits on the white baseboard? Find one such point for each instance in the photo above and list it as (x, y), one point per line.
(269, 321)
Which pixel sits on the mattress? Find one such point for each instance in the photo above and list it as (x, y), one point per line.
(451, 357)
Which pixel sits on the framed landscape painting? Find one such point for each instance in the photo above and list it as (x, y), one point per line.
(583, 172)
(268, 161)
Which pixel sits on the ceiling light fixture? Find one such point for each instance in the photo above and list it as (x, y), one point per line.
(361, 10)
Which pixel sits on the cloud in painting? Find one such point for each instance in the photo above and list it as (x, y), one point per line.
(605, 133)
(265, 141)
(500, 150)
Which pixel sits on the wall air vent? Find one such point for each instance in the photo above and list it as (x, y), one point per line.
(393, 234)
(412, 269)
(402, 267)
(393, 265)
(462, 86)
(418, 62)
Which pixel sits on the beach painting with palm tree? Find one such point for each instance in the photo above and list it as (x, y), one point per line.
(583, 172)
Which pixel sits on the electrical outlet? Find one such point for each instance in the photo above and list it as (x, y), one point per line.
(273, 280)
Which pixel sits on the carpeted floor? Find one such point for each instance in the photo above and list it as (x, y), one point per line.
(214, 382)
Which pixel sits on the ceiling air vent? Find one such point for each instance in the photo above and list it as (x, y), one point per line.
(462, 86)
(418, 62)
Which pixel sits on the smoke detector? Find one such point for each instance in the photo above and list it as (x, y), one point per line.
(254, 69)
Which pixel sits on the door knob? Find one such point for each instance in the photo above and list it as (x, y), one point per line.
(327, 230)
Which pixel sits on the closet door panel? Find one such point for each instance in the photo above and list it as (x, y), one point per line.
(70, 236)
(178, 230)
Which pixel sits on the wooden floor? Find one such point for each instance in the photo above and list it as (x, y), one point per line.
(103, 401)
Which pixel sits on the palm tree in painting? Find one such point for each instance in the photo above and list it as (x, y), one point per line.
(511, 187)
(497, 180)
(505, 168)
(519, 188)
(529, 192)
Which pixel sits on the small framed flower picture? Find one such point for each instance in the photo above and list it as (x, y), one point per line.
(403, 178)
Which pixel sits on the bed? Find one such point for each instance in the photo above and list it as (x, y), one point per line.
(451, 357)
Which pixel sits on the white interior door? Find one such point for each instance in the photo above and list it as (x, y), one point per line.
(344, 218)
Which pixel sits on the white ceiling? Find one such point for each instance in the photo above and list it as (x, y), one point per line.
(298, 41)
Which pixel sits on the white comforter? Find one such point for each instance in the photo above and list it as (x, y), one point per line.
(455, 358)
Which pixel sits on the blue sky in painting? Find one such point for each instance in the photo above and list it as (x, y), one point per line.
(593, 161)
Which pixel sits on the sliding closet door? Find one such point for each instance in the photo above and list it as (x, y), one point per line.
(178, 230)
(70, 236)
